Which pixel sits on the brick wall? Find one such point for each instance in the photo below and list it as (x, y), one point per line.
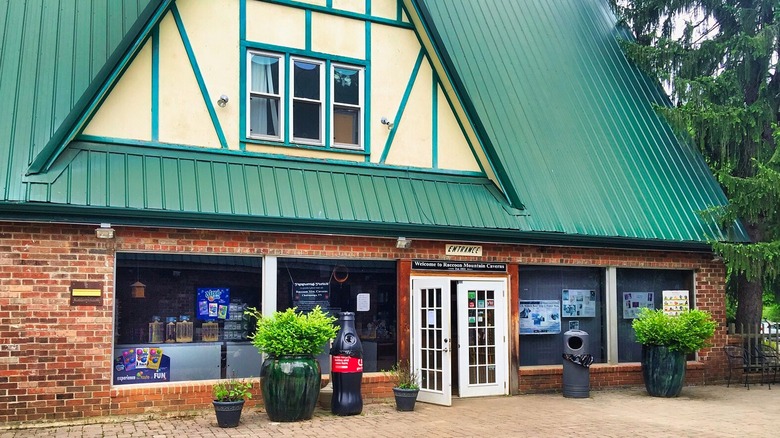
(56, 359)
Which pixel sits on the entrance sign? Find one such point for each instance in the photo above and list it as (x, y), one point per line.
(452, 249)
(453, 265)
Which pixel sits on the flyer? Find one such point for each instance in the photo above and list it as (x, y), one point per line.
(308, 295)
(540, 317)
(141, 365)
(578, 303)
(633, 302)
(675, 301)
(212, 303)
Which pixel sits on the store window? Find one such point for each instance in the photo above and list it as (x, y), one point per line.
(180, 317)
(365, 287)
(554, 300)
(638, 288)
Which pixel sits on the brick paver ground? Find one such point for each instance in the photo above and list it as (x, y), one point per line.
(707, 411)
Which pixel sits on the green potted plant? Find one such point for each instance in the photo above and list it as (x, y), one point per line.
(229, 397)
(290, 374)
(666, 340)
(405, 386)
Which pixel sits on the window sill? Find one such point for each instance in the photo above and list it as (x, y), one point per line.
(303, 146)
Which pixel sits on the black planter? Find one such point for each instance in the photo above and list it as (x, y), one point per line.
(290, 386)
(228, 413)
(663, 371)
(405, 398)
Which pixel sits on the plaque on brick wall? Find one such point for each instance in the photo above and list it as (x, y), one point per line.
(86, 293)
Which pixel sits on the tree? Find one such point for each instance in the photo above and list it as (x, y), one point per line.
(719, 61)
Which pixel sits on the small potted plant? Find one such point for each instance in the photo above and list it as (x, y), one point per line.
(290, 375)
(229, 397)
(405, 386)
(666, 340)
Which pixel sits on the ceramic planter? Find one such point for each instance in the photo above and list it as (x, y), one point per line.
(405, 398)
(228, 412)
(290, 386)
(663, 370)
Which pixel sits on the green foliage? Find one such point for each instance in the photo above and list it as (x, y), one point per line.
(290, 332)
(403, 376)
(232, 390)
(719, 62)
(686, 332)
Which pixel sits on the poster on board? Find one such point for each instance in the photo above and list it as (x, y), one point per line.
(675, 301)
(578, 303)
(141, 365)
(540, 317)
(307, 296)
(633, 302)
(212, 303)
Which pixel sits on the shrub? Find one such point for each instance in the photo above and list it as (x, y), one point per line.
(232, 390)
(292, 333)
(686, 332)
(403, 376)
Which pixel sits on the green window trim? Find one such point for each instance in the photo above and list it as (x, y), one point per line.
(275, 92)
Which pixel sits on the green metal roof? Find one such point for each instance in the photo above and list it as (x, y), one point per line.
(570, 120)
(55, 55)
(563, 116)
(141, 181)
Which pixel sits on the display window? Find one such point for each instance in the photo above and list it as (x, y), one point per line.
(554, 300)
(181, 317)
(671, 290)
(365, 287)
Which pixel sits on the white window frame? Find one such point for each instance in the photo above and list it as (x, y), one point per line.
(360, 106)
(281, 98)
(321, 101)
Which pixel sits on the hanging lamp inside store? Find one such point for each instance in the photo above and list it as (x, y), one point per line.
(137, 289)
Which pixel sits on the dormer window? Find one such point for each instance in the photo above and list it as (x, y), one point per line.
(321, 105)
(265, 98)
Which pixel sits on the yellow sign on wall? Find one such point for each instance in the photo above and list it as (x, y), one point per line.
(86, 294)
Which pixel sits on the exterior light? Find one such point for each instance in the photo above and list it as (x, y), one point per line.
(104, 232)
(403, 243)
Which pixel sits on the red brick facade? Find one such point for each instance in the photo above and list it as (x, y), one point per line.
(56, 359)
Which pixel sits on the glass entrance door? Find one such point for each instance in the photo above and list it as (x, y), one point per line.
(482, 338)
(431, 339)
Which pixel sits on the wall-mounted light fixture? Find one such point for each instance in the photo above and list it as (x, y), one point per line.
(387, 123)
(403, 243)
(104, 232)
(223, 100)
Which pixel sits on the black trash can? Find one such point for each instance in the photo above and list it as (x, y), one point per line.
(576, 364)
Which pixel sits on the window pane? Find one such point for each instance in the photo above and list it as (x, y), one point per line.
(346, 125)
(376, 327)
(264, 116)
(548, 283)
(265, 74)
(169, 332)
(306, 120)
(307, 80)
(642, 288)
(346, 86)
